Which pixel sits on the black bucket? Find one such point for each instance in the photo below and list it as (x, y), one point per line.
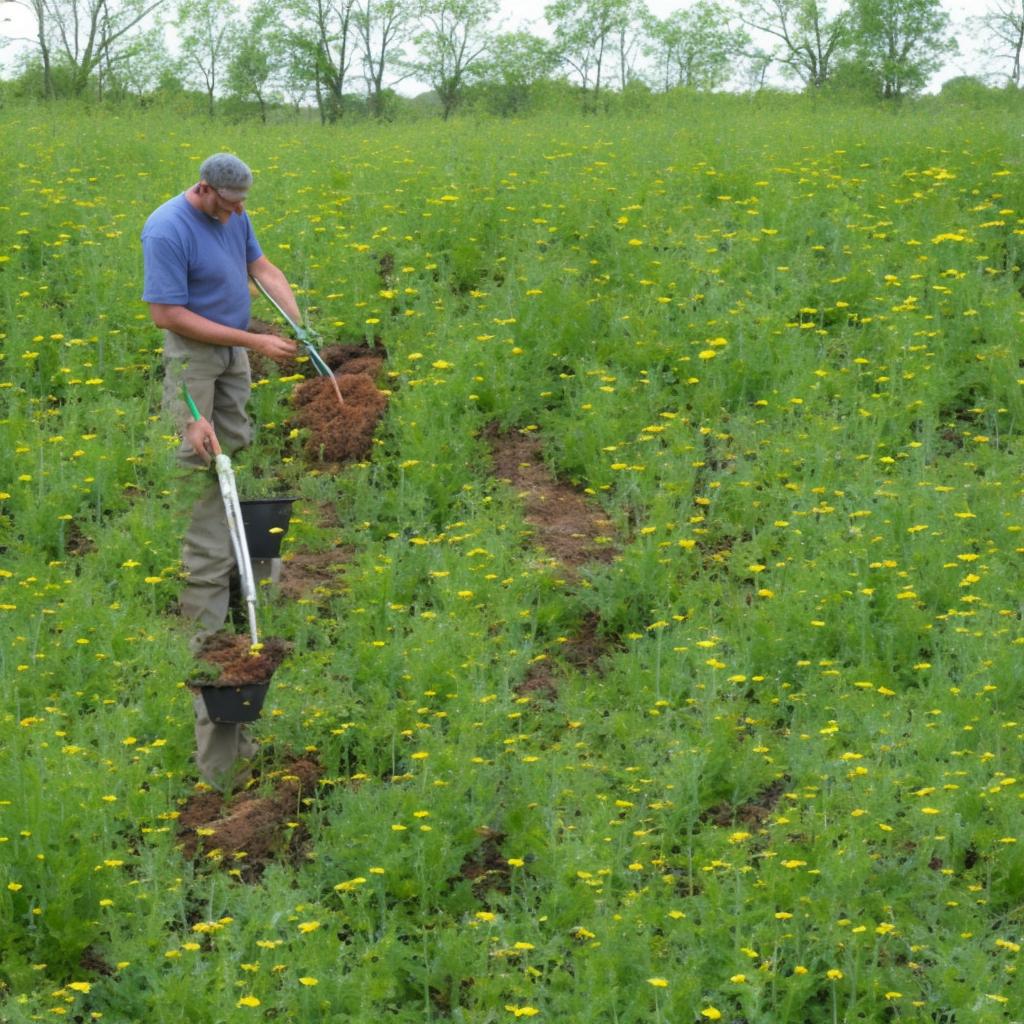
(226, 704)
(266, 522)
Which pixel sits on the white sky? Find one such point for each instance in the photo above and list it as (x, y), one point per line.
(16, 21)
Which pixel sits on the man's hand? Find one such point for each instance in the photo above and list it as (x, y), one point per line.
(200, 434)
(271, 346)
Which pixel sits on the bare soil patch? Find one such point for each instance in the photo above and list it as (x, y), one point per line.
(250, 830)
(754, 813)
(76, 542)
(567, 525)
(339, 432)
(307, 572)
(487, 866)
(583, 649)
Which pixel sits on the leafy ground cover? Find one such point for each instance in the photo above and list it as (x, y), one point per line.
(754, 755)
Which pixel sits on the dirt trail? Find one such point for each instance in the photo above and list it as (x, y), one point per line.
(567, 525)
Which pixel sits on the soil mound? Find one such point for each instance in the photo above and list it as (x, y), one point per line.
(249, 829)
(235, 662)
(339, 433)
(364, 359)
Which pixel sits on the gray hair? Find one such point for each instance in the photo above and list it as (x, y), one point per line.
(224, 170)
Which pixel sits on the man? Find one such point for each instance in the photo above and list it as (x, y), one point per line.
(199, 249)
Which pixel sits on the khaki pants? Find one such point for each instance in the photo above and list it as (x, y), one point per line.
(219, 381)
(221, 749)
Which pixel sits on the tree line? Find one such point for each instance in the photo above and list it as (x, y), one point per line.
(339, 55)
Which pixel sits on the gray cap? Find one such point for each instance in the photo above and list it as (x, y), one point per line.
(226, 173)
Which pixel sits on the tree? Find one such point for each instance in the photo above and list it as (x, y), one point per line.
(452, 40)
(585, 34)
(695, 48)
(808, 40)
(207, 30)
(297, 71)
(140, 66)
(258, 49)
(755, 70)
(328, 28)
(514, 64)
(1003, 24)
(383, 27)
(902, 42)
(37, 8)
(86, 36)
(627, 36)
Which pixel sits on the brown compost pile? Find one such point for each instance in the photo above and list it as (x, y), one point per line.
(339, 432)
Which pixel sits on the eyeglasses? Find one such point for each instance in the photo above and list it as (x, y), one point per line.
(230, 202)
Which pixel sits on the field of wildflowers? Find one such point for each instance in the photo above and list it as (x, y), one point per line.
(773, 345)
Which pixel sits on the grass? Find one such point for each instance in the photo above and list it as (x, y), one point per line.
(776, 342)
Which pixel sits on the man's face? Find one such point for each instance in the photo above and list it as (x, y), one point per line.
(221, 203)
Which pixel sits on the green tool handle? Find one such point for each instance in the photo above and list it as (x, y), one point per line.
(191, 405)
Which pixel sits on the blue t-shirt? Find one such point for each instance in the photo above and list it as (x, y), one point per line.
(193, 260)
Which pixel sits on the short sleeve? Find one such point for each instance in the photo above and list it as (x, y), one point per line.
(252, 248)
(165, 271)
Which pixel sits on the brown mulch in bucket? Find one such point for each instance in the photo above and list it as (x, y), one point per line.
(238, 665)
(339, 432)
(250, 830)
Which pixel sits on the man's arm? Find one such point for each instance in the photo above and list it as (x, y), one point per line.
(277, 285)
(192, 325)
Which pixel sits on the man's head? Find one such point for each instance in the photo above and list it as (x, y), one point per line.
(228, 176)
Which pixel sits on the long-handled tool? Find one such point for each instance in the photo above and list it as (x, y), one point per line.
(236, 528)
(305, 337)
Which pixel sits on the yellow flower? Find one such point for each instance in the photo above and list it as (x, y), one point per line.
(711, 1013)
(308, 982)
(248, 1001)
(658, 982)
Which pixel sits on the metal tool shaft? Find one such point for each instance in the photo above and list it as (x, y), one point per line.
(236, 529)
(300, 333)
